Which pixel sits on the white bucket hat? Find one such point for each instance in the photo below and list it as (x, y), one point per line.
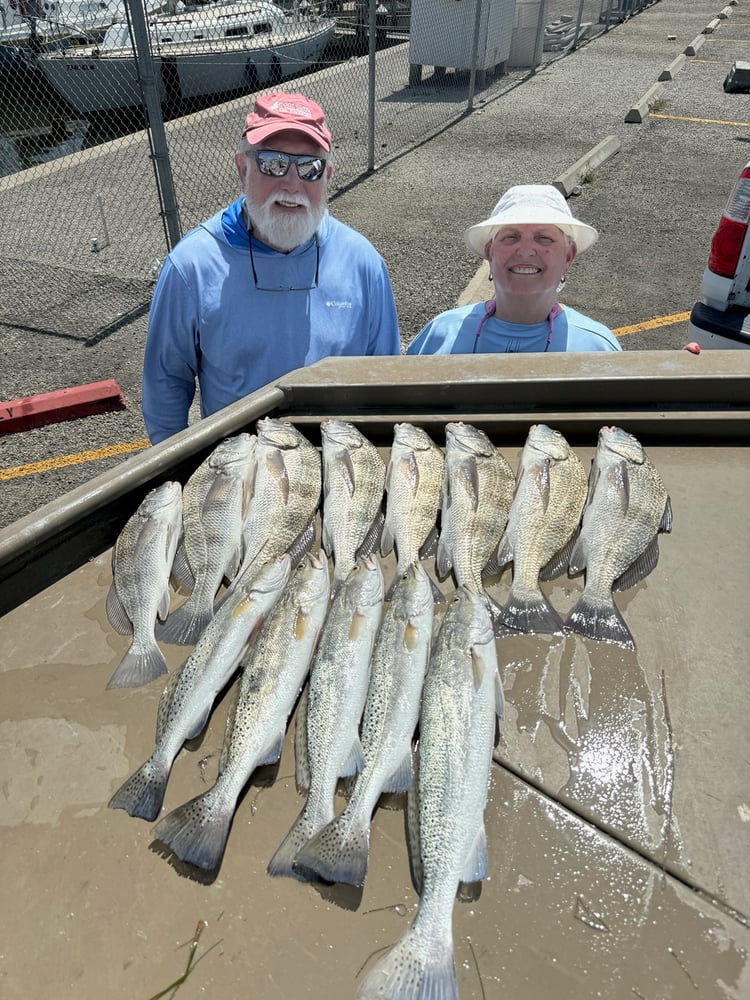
(524, 204)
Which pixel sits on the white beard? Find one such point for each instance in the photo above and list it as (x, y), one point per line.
(280, 229)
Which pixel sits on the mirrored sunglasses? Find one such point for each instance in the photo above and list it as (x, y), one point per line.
(274, 163)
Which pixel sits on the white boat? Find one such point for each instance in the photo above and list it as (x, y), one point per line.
(42, 23)
(198, 51)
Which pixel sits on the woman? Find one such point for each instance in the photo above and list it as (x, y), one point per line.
(530, 241)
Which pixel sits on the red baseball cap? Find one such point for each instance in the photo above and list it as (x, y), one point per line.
(279, 112)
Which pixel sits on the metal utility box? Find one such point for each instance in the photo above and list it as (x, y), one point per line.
(443, 32)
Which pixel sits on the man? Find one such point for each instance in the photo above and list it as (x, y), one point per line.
(530, 241)
(268, 284)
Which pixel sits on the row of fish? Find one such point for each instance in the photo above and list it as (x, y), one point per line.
(373, 680)
(257, 496)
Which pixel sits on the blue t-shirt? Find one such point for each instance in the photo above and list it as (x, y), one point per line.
(456, 332)
(209, 322)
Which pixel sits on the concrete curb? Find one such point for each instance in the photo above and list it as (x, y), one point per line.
(480, 287)
(711, 26)
(640, 110)
(674, 67)
(695, 45)
(570, 179)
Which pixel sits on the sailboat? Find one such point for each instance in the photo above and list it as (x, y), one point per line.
(198, 50)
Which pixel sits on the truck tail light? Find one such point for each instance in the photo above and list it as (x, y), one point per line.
(730, 234)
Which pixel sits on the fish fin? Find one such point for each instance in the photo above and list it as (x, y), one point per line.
(182, 572)
(142, 794)
(391, 589)
(141, 664)
(276, 467)
(499, 698)
(429, 545)
(443, 562)
(501, 558)
(496, 615)
(303, 543)
(273, 752)
(412, 829)
(599, 620)
(665, 524)
(387, 540)
(301, 760)
(282, 862)
(467, 476)
(542, 480)
(578, 561)
(371, 541)
(560, 561)
(165, 703)
(531, 615)
(117, 616)
(638, 570)
(200, 725)
(408, 973)
(438, 597)
(475, 868)
(401, 778)
(619, 479)
(163, 610)
(234, 700)
(183, 627)
(197, 831)
(355, 761)
(337, 853)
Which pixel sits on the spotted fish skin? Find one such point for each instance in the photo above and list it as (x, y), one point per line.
(461, 701)
(186, 701)
(339, 852)
(273, 672)
(336, 693)
(627, 506)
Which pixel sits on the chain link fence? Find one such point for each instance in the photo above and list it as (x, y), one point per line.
(118, 119)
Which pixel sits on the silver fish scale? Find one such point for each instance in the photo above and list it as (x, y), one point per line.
(286, 490)
(274, 669)
(477, 493)
(413, 485)
(336, 695)
(625, 506)
(456, 736)
(353, 485)
(141, 564)
(546, 509)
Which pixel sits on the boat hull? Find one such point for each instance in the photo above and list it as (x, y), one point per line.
(104, 81)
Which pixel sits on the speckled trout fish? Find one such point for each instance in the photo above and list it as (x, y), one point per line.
(461, 702)
(626, 508)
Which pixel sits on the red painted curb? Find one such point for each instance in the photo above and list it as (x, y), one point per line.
(63, 404)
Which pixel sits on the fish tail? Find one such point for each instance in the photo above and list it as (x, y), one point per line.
(599, 619)
(338, 853)
(531, 615)
(142, 794)
(282, 862)
(141, 664)
(183, 626)
(197, 831)
(407, 972)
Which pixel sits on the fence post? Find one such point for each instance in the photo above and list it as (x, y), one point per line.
(372, 50)
(156, 133)
(474, 54)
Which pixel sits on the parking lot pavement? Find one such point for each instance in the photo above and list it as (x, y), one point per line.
(655, 203)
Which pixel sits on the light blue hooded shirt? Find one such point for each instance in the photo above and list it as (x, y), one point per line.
(455, 332)
(209, 322)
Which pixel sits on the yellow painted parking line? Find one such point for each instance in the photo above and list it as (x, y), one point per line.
(76, 459)
(703, 121)
(651, 324)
